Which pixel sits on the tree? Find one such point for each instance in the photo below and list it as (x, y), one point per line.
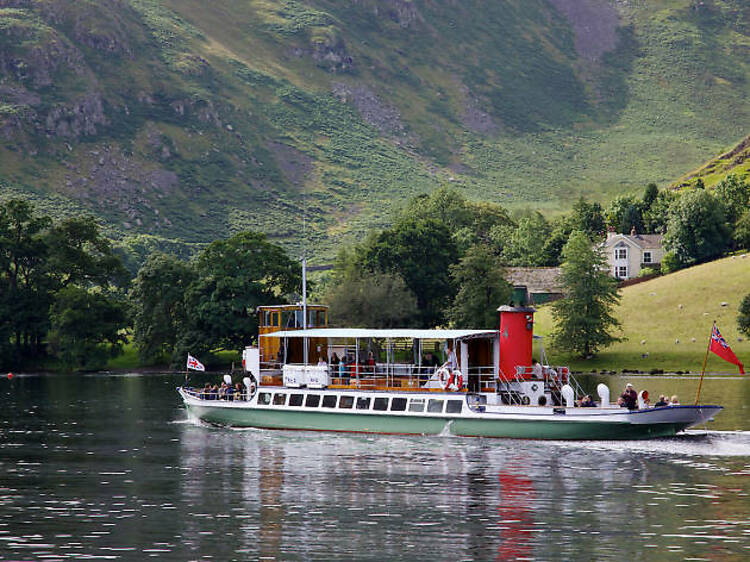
(25, 289)
(421, 251)
(734, 194)
(587, 217)
(742, 231)
(584, 316)
(79, 254)
(743, 320)
(235, 276)
(656, 215)
(624, 214)
(86, 328)
(650, 195)
(696, 230)
(372, 300)
(525, 244)
(482, 287)
(157, 301)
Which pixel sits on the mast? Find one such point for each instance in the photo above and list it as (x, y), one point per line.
(304, 305)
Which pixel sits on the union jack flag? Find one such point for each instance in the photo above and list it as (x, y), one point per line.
(718, 338)
(194, 364)
(720, 347)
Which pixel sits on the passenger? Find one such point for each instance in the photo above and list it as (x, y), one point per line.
(536, 369)
(223, 391)
(452, 360)
(661, 402)
(238, 391)
(335, 360)
(322, 361)
(206, 391)
(214, 394)
(371, 362)
(588, 402)
(228, 392)
(629, 398)
(673, 401)
(343, 371)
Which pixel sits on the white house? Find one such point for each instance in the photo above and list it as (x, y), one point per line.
(627, 254)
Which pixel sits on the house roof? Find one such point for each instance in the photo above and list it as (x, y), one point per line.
(536, 279)
(643, 241)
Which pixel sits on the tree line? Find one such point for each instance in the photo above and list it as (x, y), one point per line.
(66, 295)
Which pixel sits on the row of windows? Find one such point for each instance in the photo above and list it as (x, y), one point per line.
(622, 254)
(380, 403)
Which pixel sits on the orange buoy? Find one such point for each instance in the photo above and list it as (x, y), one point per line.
(10, 376)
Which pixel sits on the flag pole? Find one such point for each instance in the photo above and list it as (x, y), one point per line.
(703, 370)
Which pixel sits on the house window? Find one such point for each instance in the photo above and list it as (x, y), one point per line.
(621, 253)
(621, 271)
(646, 257)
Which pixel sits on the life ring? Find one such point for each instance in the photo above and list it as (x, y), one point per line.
(455, 381)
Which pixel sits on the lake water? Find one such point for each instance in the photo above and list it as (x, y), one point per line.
(109, 468)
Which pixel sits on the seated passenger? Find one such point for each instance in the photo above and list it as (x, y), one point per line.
(588, 402)
(370, 362)
(661, 402)
(205, 392)
(322, 361)
(214, 394)
(673, 401)
(238, 392)
(228, 392)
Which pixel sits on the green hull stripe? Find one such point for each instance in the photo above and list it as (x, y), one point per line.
(364, 423)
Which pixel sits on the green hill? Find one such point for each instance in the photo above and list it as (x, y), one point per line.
(734, 161)
(681, 306)
(187, 119)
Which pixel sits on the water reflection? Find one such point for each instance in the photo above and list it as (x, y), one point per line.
(109, 468)
(313, 494)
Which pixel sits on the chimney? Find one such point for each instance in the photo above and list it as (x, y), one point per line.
(632, 231)
(610, 232)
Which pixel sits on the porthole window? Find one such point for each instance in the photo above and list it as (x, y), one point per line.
(295, 400)
(279, 399)
(264, 398)
(312, 400)
(346, 402)
(329, 401)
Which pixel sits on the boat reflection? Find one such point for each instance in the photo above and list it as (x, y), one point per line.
(306, 495)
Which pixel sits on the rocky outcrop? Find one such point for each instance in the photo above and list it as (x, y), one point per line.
(403, 12)
(383, 117)
(595, 25)
(77, 119)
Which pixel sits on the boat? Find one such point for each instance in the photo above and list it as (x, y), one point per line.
(388, 381)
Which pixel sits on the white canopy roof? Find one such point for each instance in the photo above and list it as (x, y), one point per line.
(382, 334)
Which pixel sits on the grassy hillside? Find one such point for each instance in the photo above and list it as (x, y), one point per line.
(681, 306)
(187, 119)
(734, 161)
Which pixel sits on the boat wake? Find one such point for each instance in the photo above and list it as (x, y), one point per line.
(690, 443)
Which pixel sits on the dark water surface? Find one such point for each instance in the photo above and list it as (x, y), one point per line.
(109, 468)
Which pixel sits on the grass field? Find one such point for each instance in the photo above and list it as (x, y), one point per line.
(681, 306)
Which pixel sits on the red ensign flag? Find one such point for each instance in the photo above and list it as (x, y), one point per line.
(721, 348)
